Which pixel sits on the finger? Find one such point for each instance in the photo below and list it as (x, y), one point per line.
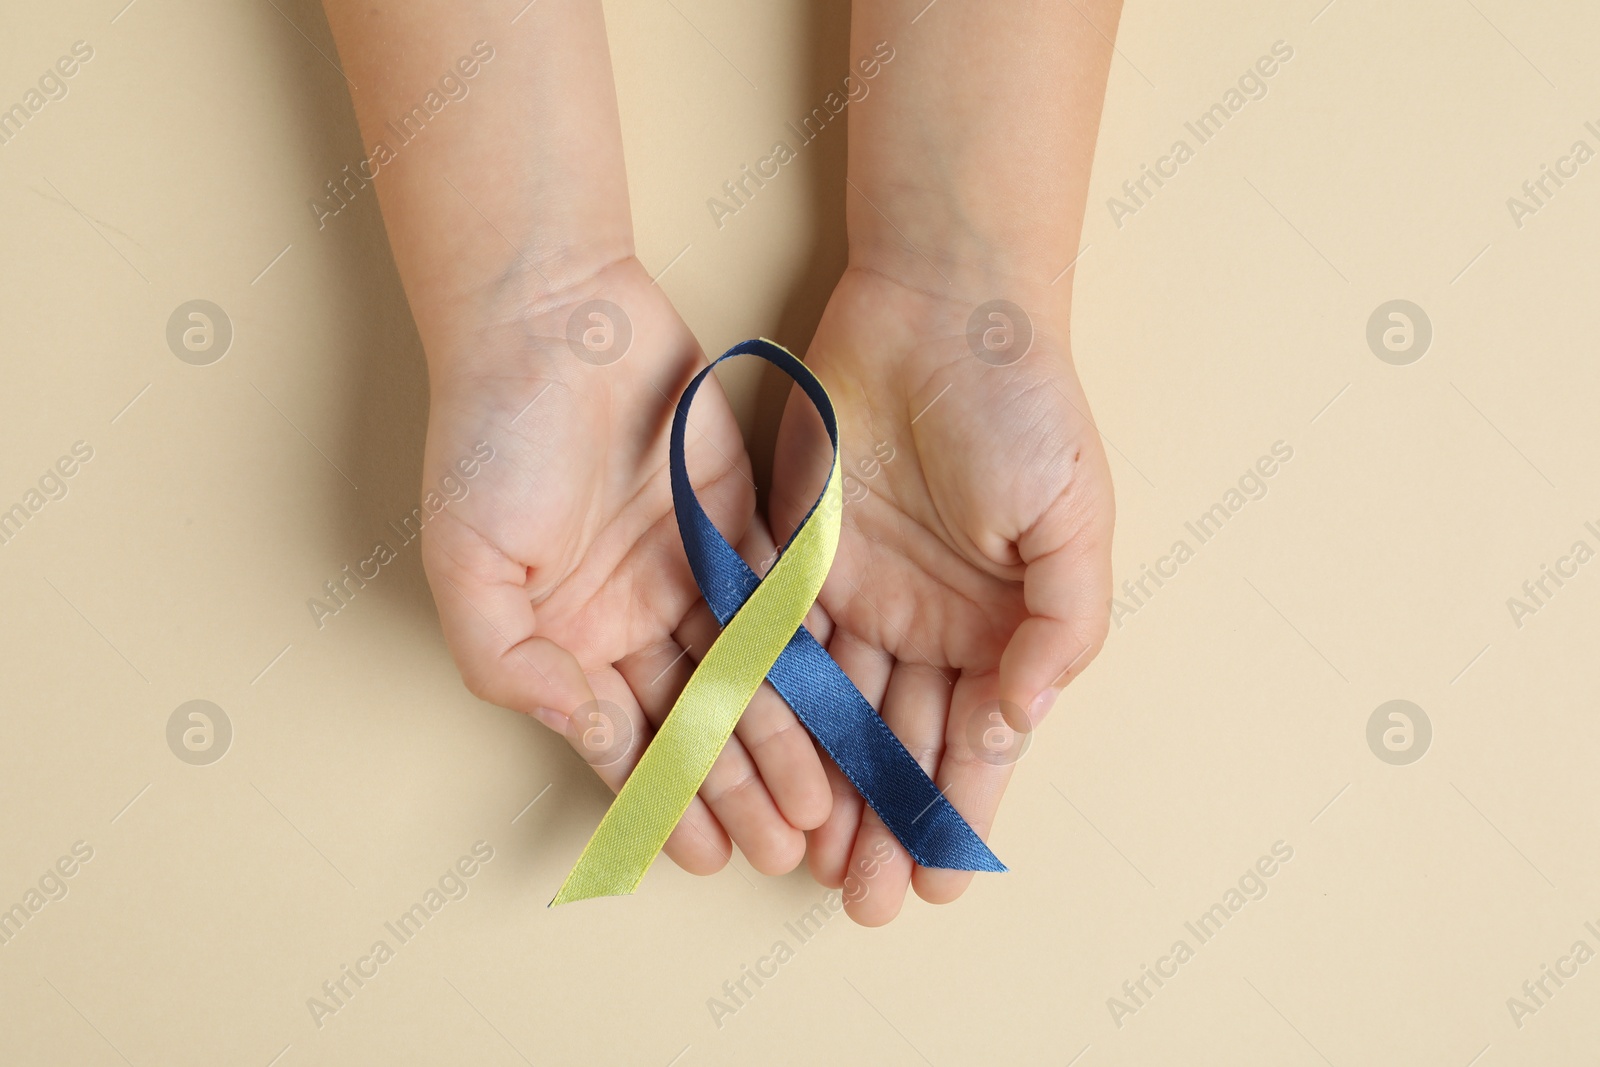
(915, 705)
(489, 624)
(879, 872)
(979, 751)
(611, 735)
(828, 846)
(1067, 591)
(656, 695)
(915, 708)
(732, 789)
(775, 739)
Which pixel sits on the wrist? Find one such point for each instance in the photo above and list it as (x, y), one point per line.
(950, 250)
(516, 317)
(912, 325)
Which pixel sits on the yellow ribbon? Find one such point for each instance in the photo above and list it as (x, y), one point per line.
(661, 787)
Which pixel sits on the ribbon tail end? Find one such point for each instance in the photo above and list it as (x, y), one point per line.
(980, 859)
(570, 894)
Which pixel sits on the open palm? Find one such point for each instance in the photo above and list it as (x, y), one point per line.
(973, 573)
(560, 576)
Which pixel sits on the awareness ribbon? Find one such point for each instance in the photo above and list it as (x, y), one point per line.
(763, 638)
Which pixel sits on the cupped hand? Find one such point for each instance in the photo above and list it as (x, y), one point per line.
(560, 575)
(972, 579)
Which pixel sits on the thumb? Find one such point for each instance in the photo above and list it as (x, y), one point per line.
(489, 624)
(1067, 591)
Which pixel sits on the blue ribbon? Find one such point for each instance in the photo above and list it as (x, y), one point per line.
(821, 694)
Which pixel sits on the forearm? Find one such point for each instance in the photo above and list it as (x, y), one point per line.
(970, 157)
(514, 190)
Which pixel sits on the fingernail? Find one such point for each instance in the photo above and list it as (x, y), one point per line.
(551, 718)
(1041, 706)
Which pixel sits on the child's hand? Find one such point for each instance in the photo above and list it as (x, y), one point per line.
(974, 563)
(560, 577)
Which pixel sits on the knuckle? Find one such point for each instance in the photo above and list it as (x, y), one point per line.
(482, 682)
(762, 738)
(741, 780)
(926, 753)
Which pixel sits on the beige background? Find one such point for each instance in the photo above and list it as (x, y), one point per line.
(1228, 713)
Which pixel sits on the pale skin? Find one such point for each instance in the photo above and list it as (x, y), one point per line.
(975, 570)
